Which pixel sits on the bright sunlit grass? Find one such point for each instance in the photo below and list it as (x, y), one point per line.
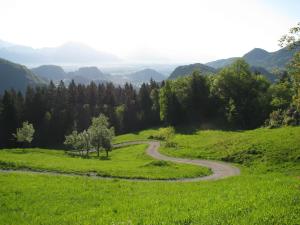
(127, 162)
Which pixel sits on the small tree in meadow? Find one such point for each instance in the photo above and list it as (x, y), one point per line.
(80, 141)
(101, 134)
(25, 133)
(75, 140)
(86, 137)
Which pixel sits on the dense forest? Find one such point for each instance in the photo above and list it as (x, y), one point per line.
(234, 98)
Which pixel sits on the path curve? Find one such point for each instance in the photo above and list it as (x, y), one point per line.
(219, 169)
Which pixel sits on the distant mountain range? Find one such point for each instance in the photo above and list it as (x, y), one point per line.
(261, 58)
(16, 76)
(67, 53)
(207, 70)
(13, 75)
(260, 61)
(85, 75)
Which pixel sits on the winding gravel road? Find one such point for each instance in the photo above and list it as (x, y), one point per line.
(219, 169)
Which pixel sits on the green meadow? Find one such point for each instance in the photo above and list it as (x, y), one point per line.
(266, 192)
(246, 199)
(125, 162)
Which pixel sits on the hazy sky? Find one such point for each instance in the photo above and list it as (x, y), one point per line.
(165, 30)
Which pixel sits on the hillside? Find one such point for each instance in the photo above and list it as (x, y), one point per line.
(189, 69)
(270, 60)
(262, 71)
(91, 73)
(16, 76)
(145, 76)
(260, 58)
(50, 72)
(220, 63)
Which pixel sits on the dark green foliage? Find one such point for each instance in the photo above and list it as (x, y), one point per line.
(243, 95)
(55, 111)
(185, 99)
(158, 163)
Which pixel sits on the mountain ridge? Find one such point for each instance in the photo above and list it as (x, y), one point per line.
(16, 76)
(186, 70)
(70, 52)
(259, 57)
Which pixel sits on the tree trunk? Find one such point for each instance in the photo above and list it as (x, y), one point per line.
(98, 150)
(106, 153)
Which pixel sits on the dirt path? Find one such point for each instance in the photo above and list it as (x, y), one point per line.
(220, 170)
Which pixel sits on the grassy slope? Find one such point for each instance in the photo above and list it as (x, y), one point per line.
(124, 162)
(256, 197)
(248, 199)
(261, 149)
(142, 135)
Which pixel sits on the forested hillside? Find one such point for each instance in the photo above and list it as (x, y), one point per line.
(261, 58)
(50, 72)
(16, 76)
(189, 69)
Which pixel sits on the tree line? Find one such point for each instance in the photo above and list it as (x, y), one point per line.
(56, 111)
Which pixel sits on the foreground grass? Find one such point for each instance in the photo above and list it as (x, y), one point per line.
(127, 162)
(248, 199)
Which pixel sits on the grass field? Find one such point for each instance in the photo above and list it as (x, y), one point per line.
(267, 191)
(248, 199)
(127, 162)
(261, 150)
(264, 150)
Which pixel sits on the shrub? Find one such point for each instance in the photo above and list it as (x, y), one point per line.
(163, 134)
(171, 144)
(279, 118)
(275, 120)
(160, 163)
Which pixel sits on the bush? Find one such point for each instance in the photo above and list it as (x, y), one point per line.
(163, 134)
(275, 120)
(171, 144)
(279, 118)
(160, 163)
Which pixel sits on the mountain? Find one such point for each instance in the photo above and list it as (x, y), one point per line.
(145, 75)
(90, 73)
(67, 53)
(4, 44)
(188, 70)
(50, 72)
(270, 60)
(262, 71)
(261, 58)
(221, 62)
(16, 76)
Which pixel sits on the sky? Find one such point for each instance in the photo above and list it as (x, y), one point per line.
(151, 30)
